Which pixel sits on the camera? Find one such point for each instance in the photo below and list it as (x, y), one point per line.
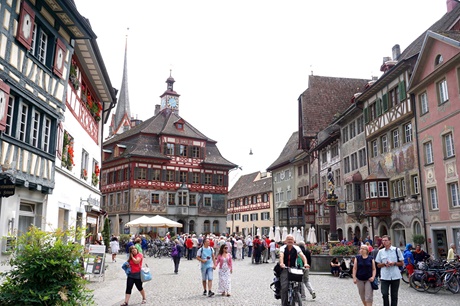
(208, 257)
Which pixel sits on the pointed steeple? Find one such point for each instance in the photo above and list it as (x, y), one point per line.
(121, 120)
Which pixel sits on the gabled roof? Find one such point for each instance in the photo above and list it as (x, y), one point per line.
(450, 38)
(325, 98)
(446, 22)
(162, 123)
(248, 185)
(290, 151)
(144, 139)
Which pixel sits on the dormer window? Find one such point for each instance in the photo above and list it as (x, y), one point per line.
(438, 60)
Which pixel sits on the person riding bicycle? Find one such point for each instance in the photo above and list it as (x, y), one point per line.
(288, 259)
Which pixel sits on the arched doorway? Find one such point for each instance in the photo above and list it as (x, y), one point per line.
(191, 226)
(357, 234)
(215, 227)
(365, 233)
(340, 234)
(181, 230)
(350, 234)
(206, 226)
(399, 235)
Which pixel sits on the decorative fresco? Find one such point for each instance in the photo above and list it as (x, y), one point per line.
(395, 163)
(217, 207)
(141, 202)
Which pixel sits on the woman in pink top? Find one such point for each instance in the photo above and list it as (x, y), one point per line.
(224, 261)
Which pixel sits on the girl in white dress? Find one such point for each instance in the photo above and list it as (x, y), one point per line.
(225, 264)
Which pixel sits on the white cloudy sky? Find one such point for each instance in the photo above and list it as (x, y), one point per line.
(240, 65)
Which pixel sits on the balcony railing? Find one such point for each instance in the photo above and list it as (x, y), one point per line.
(81, 113)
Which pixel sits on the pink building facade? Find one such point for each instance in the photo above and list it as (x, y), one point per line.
(435, 85)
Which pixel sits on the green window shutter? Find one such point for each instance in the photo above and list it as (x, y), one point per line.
(366, 115)
(402, 91)
(385, 102)
(378, 106)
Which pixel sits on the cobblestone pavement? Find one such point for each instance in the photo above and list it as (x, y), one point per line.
(250, 286)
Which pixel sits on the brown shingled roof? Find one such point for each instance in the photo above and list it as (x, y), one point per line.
(324, 98)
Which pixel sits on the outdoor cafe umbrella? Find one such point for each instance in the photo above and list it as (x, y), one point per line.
(285, 233)
(160, 221)
(311, 235)
(271, 234)
(143, 221)
(277, 234)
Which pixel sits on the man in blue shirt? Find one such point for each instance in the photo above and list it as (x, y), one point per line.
(208, 261)
(389, 259)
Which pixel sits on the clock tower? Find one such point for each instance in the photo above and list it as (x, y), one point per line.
(170, 98)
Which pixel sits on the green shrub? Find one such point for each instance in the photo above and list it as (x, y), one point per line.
(46, 269)
(341, 249)
(418, 239)
(106, 234)
(314, 249)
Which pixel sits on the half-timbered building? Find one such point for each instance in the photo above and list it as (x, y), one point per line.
(166, 166)
(38, 40)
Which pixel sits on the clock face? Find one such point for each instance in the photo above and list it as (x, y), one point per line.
(163, 102)
(26, 25)
(172, 102)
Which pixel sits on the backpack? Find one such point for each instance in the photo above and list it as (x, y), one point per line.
(128, 245)
(175, 252)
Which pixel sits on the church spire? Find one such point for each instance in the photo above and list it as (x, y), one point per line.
(121, 120)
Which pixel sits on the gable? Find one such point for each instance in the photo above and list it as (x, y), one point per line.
(435, 45)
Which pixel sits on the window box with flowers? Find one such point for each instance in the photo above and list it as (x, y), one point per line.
(95, 176)
(84, 174)
(93, 106)
(67, 160)
(73, 76)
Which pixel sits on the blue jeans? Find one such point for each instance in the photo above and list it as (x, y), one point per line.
(250, 251)
(387, 285)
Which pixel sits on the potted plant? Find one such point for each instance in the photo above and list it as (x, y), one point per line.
(418, 239)
(84, 174)
(67, 152)
(95, 175)
(73, 76)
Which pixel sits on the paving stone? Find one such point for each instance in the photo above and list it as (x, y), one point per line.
(250, 286)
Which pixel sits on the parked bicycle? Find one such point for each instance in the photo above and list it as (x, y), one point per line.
(433, 278)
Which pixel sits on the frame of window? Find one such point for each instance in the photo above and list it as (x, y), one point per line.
(423, 101)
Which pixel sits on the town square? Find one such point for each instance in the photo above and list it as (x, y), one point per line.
(146, 146)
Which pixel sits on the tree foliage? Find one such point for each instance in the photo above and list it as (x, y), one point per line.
(106, 233)
(46, 269)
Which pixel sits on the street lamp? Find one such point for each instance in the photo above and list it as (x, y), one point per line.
(88, 207)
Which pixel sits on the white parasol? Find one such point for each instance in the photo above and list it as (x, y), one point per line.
(284, 234)
(277, 234)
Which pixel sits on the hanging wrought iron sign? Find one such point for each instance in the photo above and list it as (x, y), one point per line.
(7, 185)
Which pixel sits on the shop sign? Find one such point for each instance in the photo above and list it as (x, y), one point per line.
(7, 186)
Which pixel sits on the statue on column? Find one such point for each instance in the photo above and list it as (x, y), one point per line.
(330, 183)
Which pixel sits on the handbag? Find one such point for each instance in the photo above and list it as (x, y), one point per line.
(145, 274)
(375, 284)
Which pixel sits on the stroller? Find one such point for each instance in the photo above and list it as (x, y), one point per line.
(346, 267)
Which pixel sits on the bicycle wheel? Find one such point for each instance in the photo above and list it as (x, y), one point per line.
(297, 299)
(452, 284)
(405, 276)
(417, 283)
(433, 286)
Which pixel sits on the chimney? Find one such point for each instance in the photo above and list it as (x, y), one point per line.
(396, 52)
(451, 4)
(157, 109)
(386, 59)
